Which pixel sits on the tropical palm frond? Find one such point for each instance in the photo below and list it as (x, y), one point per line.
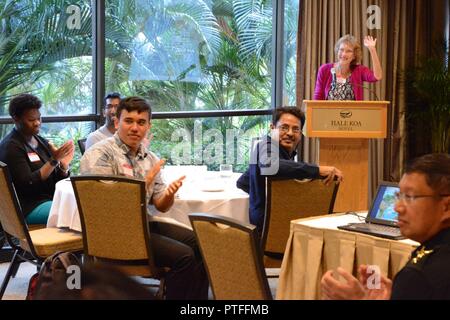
(254, 23)
(35, 37)
(222, 8)
(201, 18)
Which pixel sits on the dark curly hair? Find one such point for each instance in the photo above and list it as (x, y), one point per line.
(23, 102)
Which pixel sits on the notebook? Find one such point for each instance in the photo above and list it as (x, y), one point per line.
(381, 220)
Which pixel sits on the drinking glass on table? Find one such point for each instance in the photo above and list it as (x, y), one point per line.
(226, 170)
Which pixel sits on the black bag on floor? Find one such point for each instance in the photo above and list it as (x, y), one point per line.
(53, 272)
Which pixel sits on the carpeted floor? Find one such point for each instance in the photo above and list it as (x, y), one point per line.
(17, 287)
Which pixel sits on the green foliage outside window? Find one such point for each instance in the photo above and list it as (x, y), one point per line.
(230, 67)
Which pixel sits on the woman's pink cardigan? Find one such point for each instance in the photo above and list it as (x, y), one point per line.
(359, 75)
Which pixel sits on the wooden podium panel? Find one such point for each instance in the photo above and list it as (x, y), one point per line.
(346, 119)
(351, 157)
(344, 129)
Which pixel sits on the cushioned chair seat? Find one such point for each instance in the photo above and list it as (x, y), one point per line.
(36, 226)
(50, 240)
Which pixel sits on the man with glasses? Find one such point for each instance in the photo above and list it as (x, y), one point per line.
(423, 207)
(111, 102)
(287, 125)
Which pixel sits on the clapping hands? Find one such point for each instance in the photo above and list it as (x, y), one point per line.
(63, 154)
(351, 288)
(172, 188)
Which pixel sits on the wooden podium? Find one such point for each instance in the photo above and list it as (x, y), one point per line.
(344, 129)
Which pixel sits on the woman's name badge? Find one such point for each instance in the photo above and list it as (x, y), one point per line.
(127, 170)
(33, 157)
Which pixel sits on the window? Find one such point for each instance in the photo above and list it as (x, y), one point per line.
(192, 55)
(187, 57)
(208, 141)
(49, 46)
(291, 12)
(50, 54)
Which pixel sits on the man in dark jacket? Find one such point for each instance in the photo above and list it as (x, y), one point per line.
(423, 206)
(275, 156)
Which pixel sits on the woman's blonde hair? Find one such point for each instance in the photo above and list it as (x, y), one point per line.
(352, 42)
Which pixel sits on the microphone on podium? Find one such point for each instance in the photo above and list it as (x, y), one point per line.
(334, 82)
(368, 89)
(334, 79)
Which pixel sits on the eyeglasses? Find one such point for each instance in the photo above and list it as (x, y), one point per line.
(406, 198)
(109, 106)
(286, 128)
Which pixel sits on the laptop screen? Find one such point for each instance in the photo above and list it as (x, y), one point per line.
(382, 210)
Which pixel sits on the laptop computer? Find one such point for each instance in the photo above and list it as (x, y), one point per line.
(381, 220)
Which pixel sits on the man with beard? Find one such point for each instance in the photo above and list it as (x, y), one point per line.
(111, 102)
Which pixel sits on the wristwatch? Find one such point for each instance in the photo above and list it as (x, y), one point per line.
(53, 162)
(62, 169)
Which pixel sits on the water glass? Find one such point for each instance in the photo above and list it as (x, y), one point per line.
(226, 170)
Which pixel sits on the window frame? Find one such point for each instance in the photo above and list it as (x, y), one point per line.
(98, 74)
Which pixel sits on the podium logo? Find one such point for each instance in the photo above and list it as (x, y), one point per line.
(345, 114)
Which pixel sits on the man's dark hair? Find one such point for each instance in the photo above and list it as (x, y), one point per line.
(278, 112)
(23, 102)
(436, 168)
(134, 104)
(111, 95)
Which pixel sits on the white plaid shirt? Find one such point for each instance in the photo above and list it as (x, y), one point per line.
(111, 156)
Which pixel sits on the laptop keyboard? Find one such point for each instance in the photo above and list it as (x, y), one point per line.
(375, 229)
(382, 228)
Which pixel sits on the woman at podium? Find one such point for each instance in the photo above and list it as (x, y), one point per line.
(343, 79)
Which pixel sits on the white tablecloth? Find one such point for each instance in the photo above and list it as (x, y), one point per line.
(64, 210)
(223, 199)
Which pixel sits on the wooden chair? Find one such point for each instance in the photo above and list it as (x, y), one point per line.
(233, 258)
(113, 216)
(289, 200)
(32, 246)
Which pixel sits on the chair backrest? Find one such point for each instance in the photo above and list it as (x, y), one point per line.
(113, 216)
(82, 145)
(11, 216)
(289, 200)
(233, 257)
